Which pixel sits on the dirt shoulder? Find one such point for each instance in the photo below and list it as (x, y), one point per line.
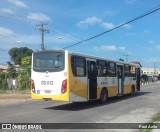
(6, 99)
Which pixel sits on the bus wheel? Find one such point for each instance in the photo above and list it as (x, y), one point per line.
(104, 96)
(132, 90)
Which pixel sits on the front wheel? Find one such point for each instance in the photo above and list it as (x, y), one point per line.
(104, 96)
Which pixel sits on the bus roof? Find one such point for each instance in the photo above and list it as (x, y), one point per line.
(91, 57)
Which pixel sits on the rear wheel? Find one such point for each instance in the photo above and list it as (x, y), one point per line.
(104, 96)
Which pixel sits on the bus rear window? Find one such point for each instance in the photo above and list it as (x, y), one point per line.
(48, 61)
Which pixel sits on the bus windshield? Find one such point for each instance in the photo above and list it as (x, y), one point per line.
(48, 61)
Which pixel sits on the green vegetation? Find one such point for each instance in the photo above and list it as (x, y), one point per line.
(11, 71)
(24, 75)
(121, 59)
(22, 57)
(155, 119)
(18, 53)
(3, 81)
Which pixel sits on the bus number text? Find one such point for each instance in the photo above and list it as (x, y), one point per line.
(46, 82)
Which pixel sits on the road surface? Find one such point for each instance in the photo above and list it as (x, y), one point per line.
(127, 109)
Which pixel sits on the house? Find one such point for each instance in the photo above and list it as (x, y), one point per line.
(3, 68)
(138, 63)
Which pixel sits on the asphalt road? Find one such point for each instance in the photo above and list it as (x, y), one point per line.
(127, 109)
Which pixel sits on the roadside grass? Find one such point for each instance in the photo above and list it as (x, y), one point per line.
(15, 91)
(155, 119)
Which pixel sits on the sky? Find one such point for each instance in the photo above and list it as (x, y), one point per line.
(71, 21)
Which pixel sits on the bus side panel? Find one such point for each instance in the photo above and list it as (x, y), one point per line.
(127, 88)
(127, 85)
(112, 86)
(78, 86)
(112, 91)
(110, 83)
(99, 92)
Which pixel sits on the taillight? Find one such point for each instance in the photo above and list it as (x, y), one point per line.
(33, 86)
(64, 86)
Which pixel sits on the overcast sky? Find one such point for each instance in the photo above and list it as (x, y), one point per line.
(71, 21)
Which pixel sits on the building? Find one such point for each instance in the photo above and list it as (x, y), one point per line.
(3, 68)
(152, 74)
(151, 71)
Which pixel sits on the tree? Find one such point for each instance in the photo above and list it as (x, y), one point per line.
(24, 75)
(121, 59)
(3, 81)
(26, 63)
(17, 54)
(11, 71)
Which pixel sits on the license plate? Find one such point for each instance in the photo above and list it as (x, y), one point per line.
(48, 92)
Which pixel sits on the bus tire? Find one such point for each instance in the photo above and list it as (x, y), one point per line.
(132, 90)
(103, 96)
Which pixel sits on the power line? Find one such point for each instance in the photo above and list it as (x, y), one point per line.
(130, 21)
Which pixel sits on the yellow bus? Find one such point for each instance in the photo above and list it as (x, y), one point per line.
(67, 76)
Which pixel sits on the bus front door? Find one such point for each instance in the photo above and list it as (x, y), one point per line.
(120, 79)
(138, 71)
(92, 80)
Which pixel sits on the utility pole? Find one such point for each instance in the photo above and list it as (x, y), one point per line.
(154, 68)
(42, 29)
(126, 55)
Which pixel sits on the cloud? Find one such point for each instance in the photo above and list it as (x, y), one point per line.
(6, 32)
(38, 17)
(131, 34)
(131, 2)
(7, 11)
(146, 32)
(89, 21)
(158, 47)
(18, 3)
(122, 49)
(107, 25)
(127, 26)
(109, 13)
(153, 59)
(111, 48)
(151, 41)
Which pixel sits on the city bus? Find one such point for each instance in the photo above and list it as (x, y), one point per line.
(62, 75)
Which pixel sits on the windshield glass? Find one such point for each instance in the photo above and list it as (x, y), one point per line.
(48, 61)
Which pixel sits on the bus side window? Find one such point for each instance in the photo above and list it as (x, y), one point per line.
(133, 71)
(102, 68)
(111, 69)
(78, 65)
(126, 70)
